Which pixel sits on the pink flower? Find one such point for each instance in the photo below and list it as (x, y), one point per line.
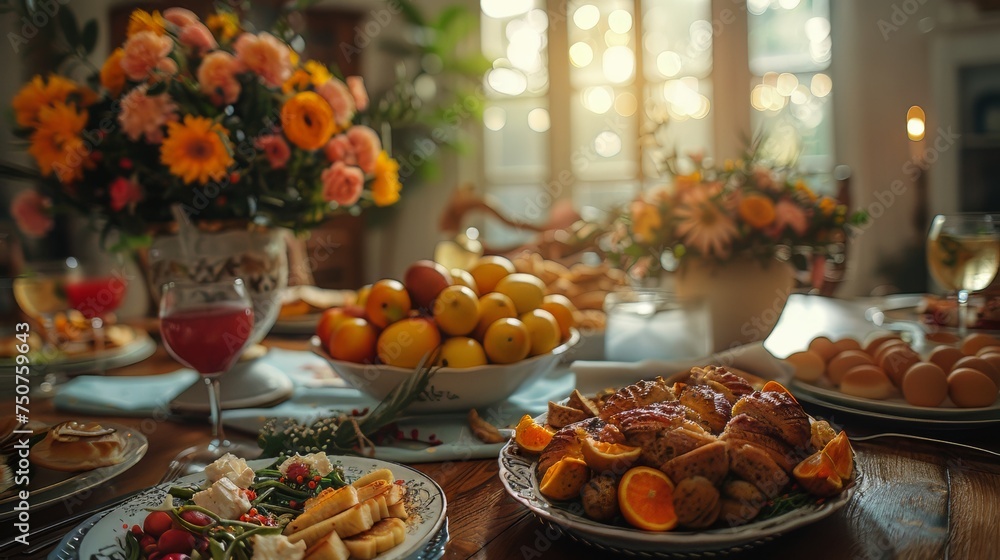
(788, 214)
(144, 52)
(123, 193)
(275, 149)
(217, 77)
(366, 146)
(31, 213)
(339, 98)
(356, 85)
(180, 17)
(197, 37)
(339, 149)
(143, 116)
(342, 184)
(266, 56)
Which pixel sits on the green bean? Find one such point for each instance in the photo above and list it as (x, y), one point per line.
(181, 492)
(263, 495)
(283, 488)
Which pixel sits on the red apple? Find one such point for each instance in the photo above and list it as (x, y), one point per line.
(425, 280)
(329, 321)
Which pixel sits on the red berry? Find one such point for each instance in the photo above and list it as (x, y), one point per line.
(196, 518)
(312, 484)
(157, 523)
(175, 556)
(125, 163)
(176, 540)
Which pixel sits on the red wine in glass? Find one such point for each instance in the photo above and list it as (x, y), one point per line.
(95, 297)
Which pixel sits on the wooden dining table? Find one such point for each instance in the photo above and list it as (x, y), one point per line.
(914, 498)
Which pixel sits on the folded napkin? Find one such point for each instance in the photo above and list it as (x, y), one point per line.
(123, 396)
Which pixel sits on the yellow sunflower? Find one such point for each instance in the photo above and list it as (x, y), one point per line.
(312, 73)
(112, 74)
(196, 150)
(141, 20)
(827, 205)
(40, 93)
(56, 143)
(386, 186)
(225, 25)
(307, 120)
(757, 211)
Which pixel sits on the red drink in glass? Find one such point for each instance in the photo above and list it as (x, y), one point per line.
(208, 339)
(95, 297)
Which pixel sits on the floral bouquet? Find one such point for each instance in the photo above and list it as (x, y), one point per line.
(749, 207)
(227, 124)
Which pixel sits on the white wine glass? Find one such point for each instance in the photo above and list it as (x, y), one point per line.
(963, 254)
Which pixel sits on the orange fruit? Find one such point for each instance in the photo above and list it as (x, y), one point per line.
(463, 278)
(456, 310)
(531, 436)
(563, 310)
(543, 330)
(489, 270)
(328, 322)
(507, 341)
(526, 291)
(775, 387)
(818, 474)
(842, 454)
(353, 340)
(493, 306)
(646, 499)
(603, 457)
(388, 301)
(565, 479)
(462, 352)
(362, 296)
(406, 342)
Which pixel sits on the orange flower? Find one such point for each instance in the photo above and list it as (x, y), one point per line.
(225, 25)
(307, 120)
(386, 186)
(802, 187)
(757, 210)
(706, 228)
(56, 143)
(827, 205)
(112, 74)
(646, 220)
(141, 20)
(40, 93)
(196, 150)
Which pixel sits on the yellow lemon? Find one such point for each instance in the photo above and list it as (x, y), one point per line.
(526, 291)
(543, 331)
(507, 341)
(405, 342)
(456, 310)
(462, 352)
(493, 306)
(463, 278)
(489, 270)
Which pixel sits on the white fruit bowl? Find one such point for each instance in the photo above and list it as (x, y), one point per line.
(451, 389)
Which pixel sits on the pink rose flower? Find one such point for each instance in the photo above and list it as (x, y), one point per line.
(340, 100)
(31, 213)
(180, 17)
(275, 149)
(356, 85)
(217, 77)
(264, 55)
(789, 214)
(339, 149)
(197, 37)
(366, 146)
(143, 116)
(342, 184)
(123, 193)
(144, 52)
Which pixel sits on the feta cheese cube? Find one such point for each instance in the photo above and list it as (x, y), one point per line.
(277, 547)
(318, 462)
(231, 467)
(224, 499)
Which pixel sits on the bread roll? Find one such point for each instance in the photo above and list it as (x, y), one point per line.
(809, 366)
(867, 381)
(75, 446)
(824, 347)
(844, 361)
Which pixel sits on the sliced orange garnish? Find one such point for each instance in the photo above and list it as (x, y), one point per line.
(531, 436)
(818, 475)
(775, 387)
(565, 479)
(603, 457)
(840, 451)
(646, 499)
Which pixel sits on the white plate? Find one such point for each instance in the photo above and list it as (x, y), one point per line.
(142, 347)
(896, 406)
(926, 423)
(48, 486)
(518, 476)
(425, 502)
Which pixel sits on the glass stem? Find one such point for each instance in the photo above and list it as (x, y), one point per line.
(97, 324)
(963, 312)
(215, 402)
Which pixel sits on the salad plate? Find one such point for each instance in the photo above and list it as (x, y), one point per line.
(103, 538)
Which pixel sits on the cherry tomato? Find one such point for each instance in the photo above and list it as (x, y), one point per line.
(175, 556)
(157, 523)
(196, 518)
(176, 540)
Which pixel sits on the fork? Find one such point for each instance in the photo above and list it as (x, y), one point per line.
(927, 439)
(51, 534)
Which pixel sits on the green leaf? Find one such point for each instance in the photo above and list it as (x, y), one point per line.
(411, 13)
(67, 22)
(89, 38)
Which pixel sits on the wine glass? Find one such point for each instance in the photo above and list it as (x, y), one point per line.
(963, 254)
(206, 327)
(95, 288)
(40, 293)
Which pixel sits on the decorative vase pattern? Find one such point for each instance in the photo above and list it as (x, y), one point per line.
(258, 257)
(745, 296)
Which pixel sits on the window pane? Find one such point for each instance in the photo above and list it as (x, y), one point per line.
(514, 36)
(603, 138)
(521, 203)
(516, 139)
(685, 105)
(677, 38)
(602, 42)
(603, 197)
(788, 35)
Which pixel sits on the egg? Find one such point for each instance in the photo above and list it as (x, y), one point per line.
(945, 357)
(925, 384)
(875, 339)
(844, 361)
(941, 337)
(969, 388)
(979, 365)
(896, 360)
(867, 381)
(972, 343)
(809, 366)
(992, 358)
(988, 350)
(886, 346)
(824, 347)
(845, 344)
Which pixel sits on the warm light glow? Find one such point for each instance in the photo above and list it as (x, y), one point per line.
(586, 16)
(703, 109)
(788, 4)
(524, 49)
(580, 54)
(500, 9)
(538, 119)
(613, 39)
(915, 123)
(626, 104)
(817, 29)
(598, 99)
(608, 144)
(786, 83)
(620, 21)
(507, 81)
(683, 99)
(619, 63)
(800, 95)
(758, 7)
(770, 79)
(821, 85)
(494, 118)
(668, 63)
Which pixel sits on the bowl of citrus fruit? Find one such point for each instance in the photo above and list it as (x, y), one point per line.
(492, 328)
